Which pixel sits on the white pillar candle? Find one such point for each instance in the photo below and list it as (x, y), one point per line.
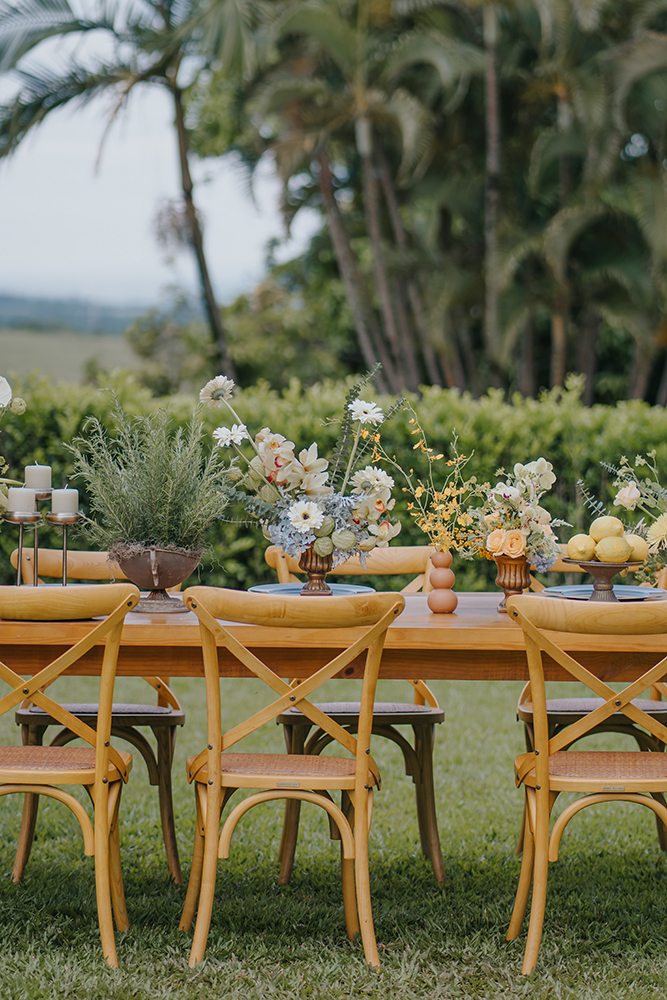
(21, 500)
(38, 477)
(65, 501)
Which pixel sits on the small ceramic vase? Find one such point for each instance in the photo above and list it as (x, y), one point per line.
(513, 577)
(442, 600)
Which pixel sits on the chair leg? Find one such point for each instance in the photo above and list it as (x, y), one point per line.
(31, 736)
(165, 756)
(102, 880)
(296, 742)
(194, 882)
(662, 831)
(362, 880)
(115, 871)
(208, 876)
(540, 877)
(525, 878)
(349, 895)
(426, 814)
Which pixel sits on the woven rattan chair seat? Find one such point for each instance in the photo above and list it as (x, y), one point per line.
(123, 715)
(291, 767)
(384, 712)
(567, 710)
(78, 760)
(607, 768)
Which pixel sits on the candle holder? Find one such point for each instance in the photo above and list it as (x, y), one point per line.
(64, 520)
(42, 494)
(23, 517)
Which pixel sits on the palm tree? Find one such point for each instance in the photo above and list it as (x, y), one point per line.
(156, 42)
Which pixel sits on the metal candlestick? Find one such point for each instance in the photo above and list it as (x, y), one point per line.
(64, 520)
(22, 517)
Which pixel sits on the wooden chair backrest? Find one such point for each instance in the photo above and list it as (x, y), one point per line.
(537, 615)
(393, 560)
(88, 565)
(370, 613)
(66, 604)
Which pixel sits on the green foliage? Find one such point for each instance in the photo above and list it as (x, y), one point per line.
(148, 484)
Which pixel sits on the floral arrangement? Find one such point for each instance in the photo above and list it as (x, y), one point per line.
(640, 492)
(8, 404)
(305, 500)
(509, 520)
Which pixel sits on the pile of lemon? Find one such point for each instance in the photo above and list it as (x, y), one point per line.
(606, 542)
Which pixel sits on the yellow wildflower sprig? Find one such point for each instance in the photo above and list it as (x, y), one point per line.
(439, 507)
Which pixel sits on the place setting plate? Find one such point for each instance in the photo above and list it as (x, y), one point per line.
(622, 592)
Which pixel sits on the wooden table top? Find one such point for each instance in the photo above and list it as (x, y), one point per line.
(474, 643)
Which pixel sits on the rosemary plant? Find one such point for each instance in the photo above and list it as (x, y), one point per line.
(148, 484)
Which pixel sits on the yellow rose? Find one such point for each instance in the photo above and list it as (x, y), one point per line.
(494, 542)
(514, 544)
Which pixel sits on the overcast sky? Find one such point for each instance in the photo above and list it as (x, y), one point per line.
(67, 231)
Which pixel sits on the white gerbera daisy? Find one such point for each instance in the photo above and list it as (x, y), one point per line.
(217, 391)
(238, 433)
(657, 533)
(305, 516)
(372, 478)
(5, 392)
(366, 413)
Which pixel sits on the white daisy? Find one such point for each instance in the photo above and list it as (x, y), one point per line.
(657, 533)
(366, 413)
(238, 433)
(371, 478)
(305, 516)
(217, 391)
(5, 392)
(223, 436)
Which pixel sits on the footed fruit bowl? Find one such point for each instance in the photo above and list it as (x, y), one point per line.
(603, 573)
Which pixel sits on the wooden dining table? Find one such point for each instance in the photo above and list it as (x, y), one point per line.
(474, 643)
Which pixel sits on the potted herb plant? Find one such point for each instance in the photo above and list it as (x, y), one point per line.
(153, 494)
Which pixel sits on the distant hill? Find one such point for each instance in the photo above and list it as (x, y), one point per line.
(46, 315)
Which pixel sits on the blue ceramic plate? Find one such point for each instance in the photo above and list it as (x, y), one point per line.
(289, 589)
(582, 591)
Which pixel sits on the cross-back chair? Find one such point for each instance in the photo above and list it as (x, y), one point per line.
(162, 718)
(563, 712)
(550, 767)
(100, 768)
(360, 624)
(422, 715)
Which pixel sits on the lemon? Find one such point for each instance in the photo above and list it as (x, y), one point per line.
(605, 527)
(613, 550)
(581, 548)
(639, 547)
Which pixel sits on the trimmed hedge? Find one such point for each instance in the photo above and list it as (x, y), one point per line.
(496, 431)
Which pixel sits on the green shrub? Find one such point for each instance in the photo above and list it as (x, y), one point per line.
(499, 433)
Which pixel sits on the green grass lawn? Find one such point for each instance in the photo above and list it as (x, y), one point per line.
(606, 921)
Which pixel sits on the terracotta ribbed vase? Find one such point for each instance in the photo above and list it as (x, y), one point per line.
(513, 577)
(442, 600)
(316, 568)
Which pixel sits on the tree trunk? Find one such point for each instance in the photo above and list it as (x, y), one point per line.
(587, 354)
(492, 194)
(369, 340)
(411, 285)
(642, 363)
(527, 381)
(470, 359)
(559, 340)
(372, 214)
(223, 357)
